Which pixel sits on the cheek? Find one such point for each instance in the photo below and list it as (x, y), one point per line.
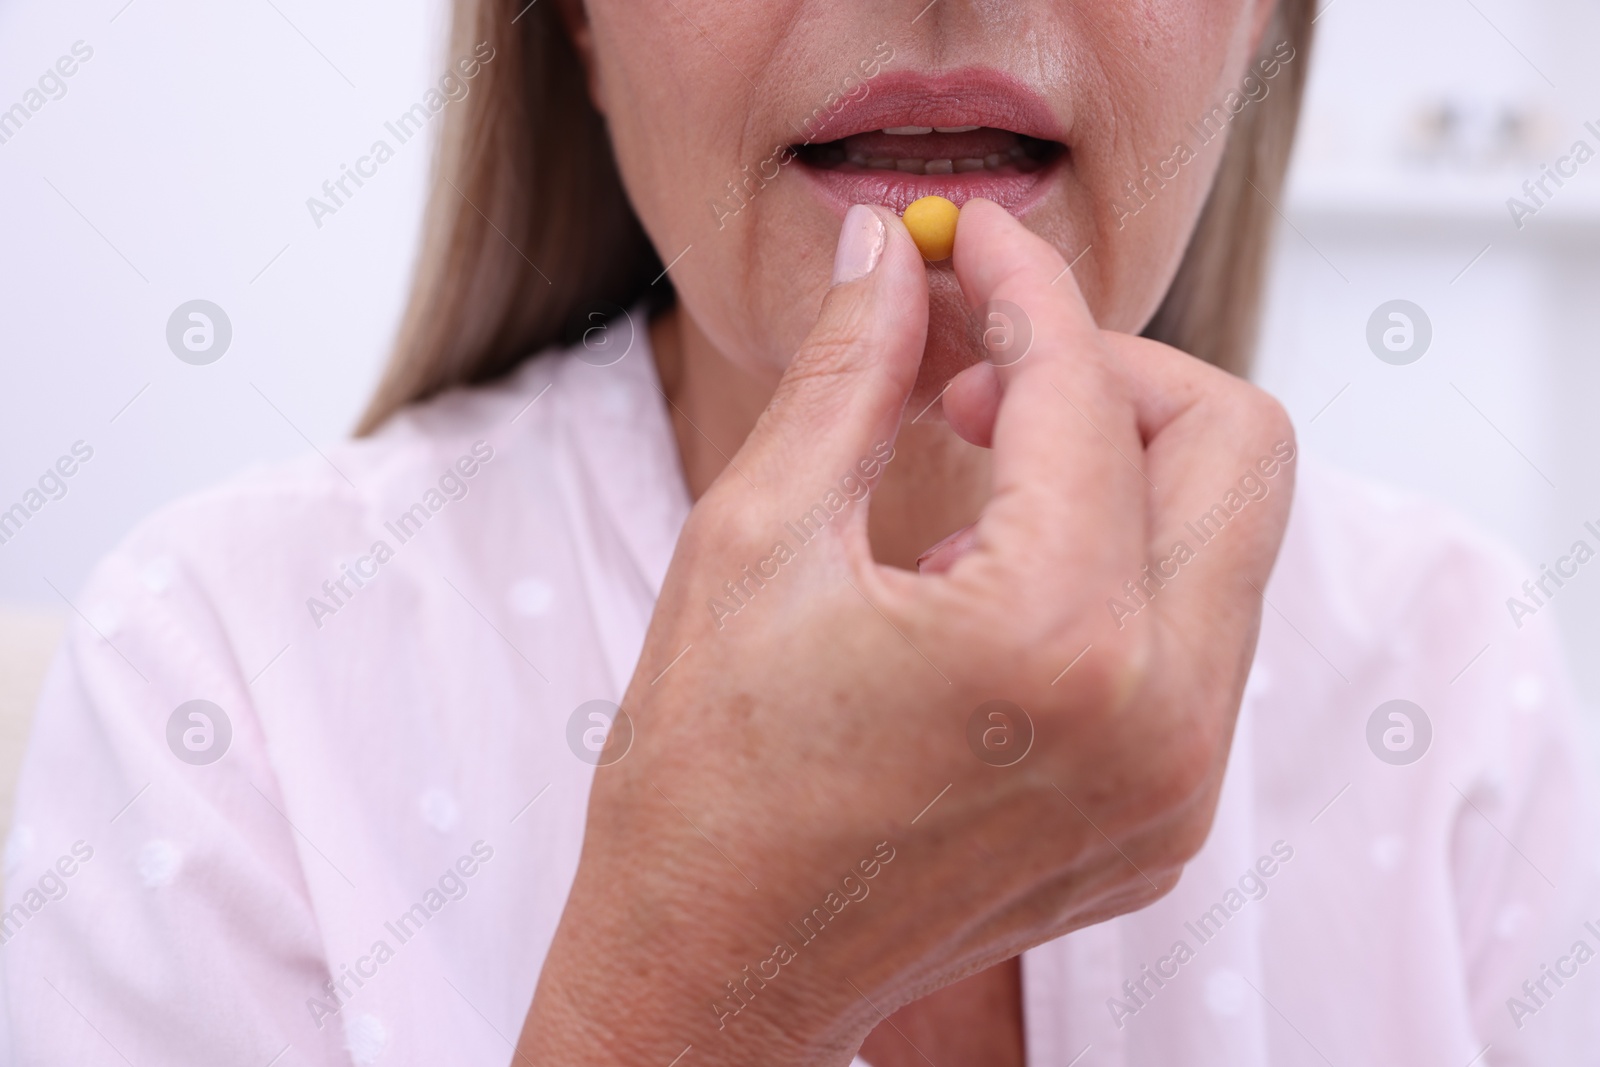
(707, 188)
(759, 289)
(1149, 153)
(670, 131)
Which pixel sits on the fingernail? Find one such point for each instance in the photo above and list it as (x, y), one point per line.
(942, 556)
(861, 242)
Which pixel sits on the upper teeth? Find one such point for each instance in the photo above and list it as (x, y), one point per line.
(917, 131)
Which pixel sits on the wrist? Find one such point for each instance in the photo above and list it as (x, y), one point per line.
(637, 976)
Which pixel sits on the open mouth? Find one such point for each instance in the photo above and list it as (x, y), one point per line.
(962, 134)
(934, 150)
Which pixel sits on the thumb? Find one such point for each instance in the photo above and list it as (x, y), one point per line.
(843, 393)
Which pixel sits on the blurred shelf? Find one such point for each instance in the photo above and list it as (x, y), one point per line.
(1423, 202)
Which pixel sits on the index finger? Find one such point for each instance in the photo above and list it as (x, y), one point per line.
(1069, 489)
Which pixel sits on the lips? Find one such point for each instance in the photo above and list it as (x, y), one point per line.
(965, 134)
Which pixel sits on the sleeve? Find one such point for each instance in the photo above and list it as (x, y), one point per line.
(155, 908)
(1526, 864)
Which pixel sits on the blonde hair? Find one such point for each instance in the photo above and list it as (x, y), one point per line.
(528, 226)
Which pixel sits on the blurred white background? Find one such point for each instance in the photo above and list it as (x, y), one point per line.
(177, 164)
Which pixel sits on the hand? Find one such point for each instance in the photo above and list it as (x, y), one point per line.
(809, 757)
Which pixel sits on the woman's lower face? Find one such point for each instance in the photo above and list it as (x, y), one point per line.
(744, 129)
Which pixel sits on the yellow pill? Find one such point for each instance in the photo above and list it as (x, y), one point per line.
(932, 222)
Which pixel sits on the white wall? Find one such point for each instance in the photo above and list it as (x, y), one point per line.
(178, 162)
(1497, 418)
(177, 166)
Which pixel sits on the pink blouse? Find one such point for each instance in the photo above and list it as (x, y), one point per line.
(301, 789)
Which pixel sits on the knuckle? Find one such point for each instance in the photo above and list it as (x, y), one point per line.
(1262, 413)
(1177, 840)
(1184, 779)
(831, 349)
(819, 366)
(722, 519)
(817, 381)
(1149, 885)
(824, 361)
(1105, 675)
(1273, 417)
(1188, 837)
